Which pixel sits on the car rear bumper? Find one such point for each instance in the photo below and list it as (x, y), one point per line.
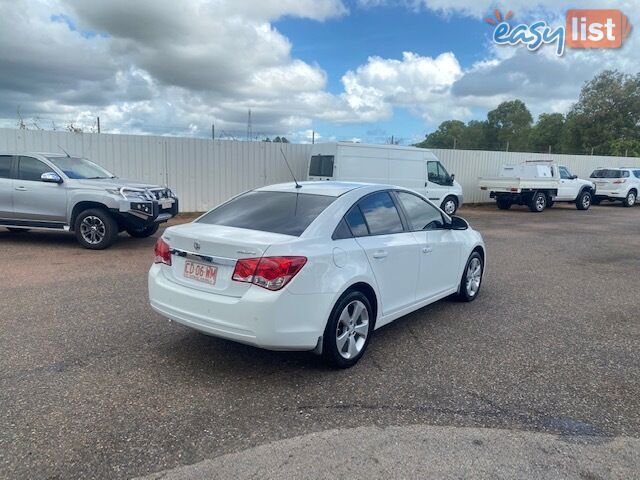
(272, 320)
(617, 194)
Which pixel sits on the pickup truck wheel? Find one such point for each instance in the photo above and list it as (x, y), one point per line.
(18, 230)
(449, 205)
(630, 199)
(95, 229)
(143, 232)
(538, 202)
(583, 202)
(471, 278)
(503, 203)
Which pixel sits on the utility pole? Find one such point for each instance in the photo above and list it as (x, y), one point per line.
(313, 137)
(249, 126)
(213, 132)
(507, 145)
(591, 151)
(549, 149)
(392, 140)
(455, 141)
(98, 124)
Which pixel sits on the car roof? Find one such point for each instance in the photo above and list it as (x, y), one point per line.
(328, 188)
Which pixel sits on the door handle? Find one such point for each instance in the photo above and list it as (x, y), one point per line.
(427, 249)
(380, 254)
(21, 189)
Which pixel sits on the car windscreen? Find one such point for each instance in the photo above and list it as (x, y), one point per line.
(605, 173)
(79, 168)
(321, 166)
(277, 212)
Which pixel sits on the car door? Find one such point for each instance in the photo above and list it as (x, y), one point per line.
(34, 199)
(6, 187)
(439, 248)
(438, 182)
(568, 188)
(392, 252)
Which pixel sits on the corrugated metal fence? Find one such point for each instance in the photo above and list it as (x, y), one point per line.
(205, 172)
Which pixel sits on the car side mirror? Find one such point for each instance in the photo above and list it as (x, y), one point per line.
(457, 223)
(453, 177)
(50, 177)
(573, 177)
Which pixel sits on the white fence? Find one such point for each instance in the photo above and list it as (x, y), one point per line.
(205, 172)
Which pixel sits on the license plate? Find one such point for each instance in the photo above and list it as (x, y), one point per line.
(166, 203)
(200, 272)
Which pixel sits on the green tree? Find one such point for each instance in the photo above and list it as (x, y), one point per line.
(607, 113)
(546, 134)
(474, 136)
(509, 125)
(446, 136)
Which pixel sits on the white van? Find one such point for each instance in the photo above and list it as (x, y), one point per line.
(409, 167)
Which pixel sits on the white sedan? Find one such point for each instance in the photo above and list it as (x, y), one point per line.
(316, 267)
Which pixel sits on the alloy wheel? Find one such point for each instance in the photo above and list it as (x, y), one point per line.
(93, 229)
(474, 277)
(352, 329)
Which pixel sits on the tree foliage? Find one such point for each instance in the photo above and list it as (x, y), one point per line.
(605, 120)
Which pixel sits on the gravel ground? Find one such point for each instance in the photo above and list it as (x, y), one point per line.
(94, 384)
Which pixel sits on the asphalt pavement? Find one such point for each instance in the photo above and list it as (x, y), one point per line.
(94, 384)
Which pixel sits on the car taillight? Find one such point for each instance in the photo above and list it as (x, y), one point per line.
(162, 252)
(271, 273)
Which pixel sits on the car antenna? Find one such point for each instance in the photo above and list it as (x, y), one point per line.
(290, 171)
(68, 156)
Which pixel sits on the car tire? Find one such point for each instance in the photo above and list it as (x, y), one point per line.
(583, 202)
(143, 232)
(503, 203)
(449, 205)
(471, 280)
(18, 230)
(630, 199)
(345, 336)
(538, 202)
(100, 237)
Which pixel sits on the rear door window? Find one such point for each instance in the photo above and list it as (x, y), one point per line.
(356, 222)
(381, 214)
(321, 166)
(636, 173)
(5, 166)
(277, 212)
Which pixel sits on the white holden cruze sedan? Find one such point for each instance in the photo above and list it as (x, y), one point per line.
(315, 267)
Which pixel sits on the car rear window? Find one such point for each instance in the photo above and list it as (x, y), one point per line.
(606, 173)
(277, 212)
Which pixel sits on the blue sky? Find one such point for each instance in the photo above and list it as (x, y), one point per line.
(344, 43)
(347, 69)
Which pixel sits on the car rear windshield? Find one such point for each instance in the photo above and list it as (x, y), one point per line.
(277, 212)
(607, 174)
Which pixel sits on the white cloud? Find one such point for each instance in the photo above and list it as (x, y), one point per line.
(176, 67)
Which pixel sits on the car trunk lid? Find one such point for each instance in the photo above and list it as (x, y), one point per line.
(197, 248)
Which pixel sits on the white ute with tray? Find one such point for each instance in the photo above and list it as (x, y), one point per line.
(537, 184)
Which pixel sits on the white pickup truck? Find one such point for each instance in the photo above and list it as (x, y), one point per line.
(538, 184)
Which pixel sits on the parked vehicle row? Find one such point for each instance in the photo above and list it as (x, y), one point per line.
(538, 184)
(52, 191)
